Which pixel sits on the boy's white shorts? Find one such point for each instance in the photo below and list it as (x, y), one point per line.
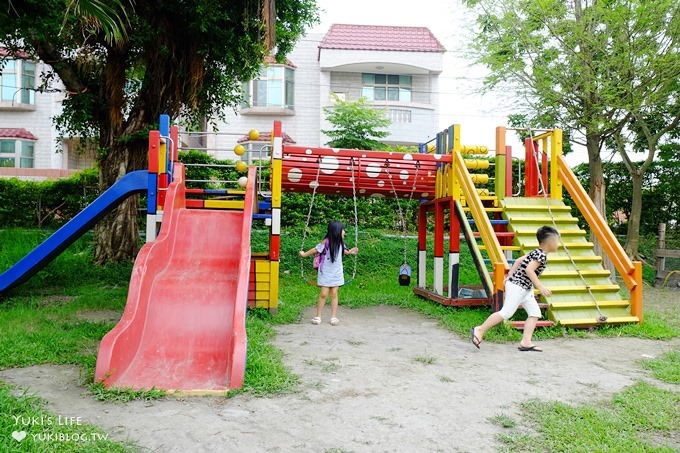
(515, 296)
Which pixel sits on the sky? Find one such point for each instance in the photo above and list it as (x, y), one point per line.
(460, 97)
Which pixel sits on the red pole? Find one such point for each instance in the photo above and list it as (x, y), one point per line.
(531, 174)
(544, 172)
(508, 171)
(454, 251)
(422, 246)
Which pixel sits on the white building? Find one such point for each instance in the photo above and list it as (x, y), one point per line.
(396, 68)
(29, 144)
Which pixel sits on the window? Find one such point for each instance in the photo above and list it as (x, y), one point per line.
(274, 87)
(386, 87)
(18, 82)
(17, 153)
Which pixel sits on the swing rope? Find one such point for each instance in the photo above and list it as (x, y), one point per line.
(399, 210)
(315, 186)
(309, 216)
(602, 317)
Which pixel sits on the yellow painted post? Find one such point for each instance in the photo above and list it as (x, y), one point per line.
(636, 302)
(273, 285)
(454, 183)
(498, 285)
(501, 157)
(555, 151)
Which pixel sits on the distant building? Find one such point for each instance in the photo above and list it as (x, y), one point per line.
(396, 68)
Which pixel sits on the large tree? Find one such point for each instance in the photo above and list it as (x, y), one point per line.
(645, 49)
(124, 62)
(557, 55)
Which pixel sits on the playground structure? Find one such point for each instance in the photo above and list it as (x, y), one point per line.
(183, 328)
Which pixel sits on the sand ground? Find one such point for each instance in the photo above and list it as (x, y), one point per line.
(385, 380)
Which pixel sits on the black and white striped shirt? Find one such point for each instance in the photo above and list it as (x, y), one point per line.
(520, 277)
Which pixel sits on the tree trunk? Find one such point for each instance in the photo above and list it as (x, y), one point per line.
(117, 234)
(597, 191)
(633, 234)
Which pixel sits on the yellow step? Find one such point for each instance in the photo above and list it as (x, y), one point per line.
(574, 273)
(563, 231)
(515, 217)
(553, 208)
(569, 245)
(593, 321)
(581, 288)
(467, 209)
(589, 304)
(503, 247)
(561, 259)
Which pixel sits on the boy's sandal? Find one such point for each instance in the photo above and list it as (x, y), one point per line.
(316, 320)
(335, 321)
(530, 349)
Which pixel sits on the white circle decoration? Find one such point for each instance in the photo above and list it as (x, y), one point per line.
(425, 194)
(329, 164)
(403, 174)
(407, 156)
(373, 170)
(314, 184)
(381, 183)
(294, 175)
(308, 151)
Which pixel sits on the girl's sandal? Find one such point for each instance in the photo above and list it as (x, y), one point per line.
(335, 321)
(316, 320)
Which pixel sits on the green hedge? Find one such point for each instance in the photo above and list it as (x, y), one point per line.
(49, 204)
(31, 204)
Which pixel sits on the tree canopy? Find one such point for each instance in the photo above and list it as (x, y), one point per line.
(124, 62)
(356, 125)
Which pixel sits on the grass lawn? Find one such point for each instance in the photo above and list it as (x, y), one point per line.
(61, 314)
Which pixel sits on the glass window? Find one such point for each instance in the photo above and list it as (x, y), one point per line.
(9, 81)
(290, 88)
(13, 152)
(390, 87)
(274, 87)
(17, 82)
(26, 160)
(28, 82)
(7, 147)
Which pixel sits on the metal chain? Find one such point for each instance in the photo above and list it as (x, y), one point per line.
(399, 210)
(309, 216)
(356, 218)
(602, 317)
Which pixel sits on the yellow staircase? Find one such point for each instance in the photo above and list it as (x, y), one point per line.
(569, 278)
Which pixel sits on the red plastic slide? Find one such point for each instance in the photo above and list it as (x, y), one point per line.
(183, 327)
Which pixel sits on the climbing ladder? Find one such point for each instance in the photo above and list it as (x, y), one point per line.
(571, 304)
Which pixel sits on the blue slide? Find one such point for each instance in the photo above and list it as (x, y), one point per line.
(130, 184)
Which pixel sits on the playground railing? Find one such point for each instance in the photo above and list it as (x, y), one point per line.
(631, 271)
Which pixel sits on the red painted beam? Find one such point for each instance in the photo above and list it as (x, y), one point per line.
(375, 173)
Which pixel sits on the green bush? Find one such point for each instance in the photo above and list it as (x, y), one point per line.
(50, 204)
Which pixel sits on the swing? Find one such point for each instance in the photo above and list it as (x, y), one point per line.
(317, 257)
(404, 269)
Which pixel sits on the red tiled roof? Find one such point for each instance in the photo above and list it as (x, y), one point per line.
(16, 132)
(380, 37)
(5, 52)
(267, 137)
(271, 60)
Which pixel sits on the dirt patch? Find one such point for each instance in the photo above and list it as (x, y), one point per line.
(99, 315)
(384, 380)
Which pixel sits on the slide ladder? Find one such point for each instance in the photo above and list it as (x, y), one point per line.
(579, 282)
